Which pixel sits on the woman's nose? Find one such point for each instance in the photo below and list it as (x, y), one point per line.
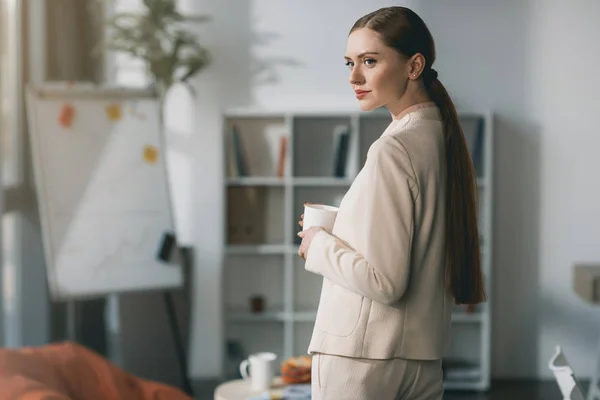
(356, 76)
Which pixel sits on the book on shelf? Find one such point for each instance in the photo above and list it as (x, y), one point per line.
(237, 155)
(247, 156)
(341, 141)
(246, 213)
(281, 160)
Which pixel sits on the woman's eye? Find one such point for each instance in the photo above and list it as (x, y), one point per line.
(349, 64)
(369, 61)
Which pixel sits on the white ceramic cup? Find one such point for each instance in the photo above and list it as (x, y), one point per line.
(262, 370)
(319, 215)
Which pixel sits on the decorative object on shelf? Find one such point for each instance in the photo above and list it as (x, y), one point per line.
(246, 209)
(471, 308)
(257, 303)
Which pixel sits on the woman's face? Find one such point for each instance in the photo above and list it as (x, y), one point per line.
(378, 74)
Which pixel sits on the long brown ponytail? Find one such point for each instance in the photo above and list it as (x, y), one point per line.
(403, 30)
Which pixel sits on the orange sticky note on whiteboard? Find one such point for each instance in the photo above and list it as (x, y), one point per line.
(67, 113)
(150, 154)
(113, 112)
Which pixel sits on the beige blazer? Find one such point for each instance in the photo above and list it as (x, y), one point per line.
(383, 293)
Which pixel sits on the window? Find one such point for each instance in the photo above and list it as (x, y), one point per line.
(124, 69)
(11, 167)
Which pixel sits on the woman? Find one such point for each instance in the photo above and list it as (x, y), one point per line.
(405, 244)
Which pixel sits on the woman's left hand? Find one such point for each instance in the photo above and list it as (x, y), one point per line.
(307, 237)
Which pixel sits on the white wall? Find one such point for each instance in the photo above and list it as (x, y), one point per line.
(532, 62)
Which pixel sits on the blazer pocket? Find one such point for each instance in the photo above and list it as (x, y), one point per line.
(342, 311)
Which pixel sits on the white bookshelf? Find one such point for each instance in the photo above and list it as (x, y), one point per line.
(270, 266)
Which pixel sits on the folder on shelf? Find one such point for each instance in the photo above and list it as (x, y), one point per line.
(240, 156)
(246, 210)
(341, 137)
(281, 161)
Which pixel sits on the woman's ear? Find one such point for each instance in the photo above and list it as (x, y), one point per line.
(416, 65)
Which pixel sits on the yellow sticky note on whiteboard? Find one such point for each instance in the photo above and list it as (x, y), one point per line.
(150, 154)
(113, 112)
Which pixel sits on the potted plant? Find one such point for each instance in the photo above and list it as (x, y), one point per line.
(157, 35)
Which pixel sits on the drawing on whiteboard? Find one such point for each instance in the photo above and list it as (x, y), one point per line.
(133, 110)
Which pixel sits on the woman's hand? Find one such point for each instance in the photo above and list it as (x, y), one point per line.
(307, 237)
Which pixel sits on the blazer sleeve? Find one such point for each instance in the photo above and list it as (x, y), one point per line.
(382, 272)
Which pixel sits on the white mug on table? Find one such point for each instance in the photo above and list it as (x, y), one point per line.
(262, 370)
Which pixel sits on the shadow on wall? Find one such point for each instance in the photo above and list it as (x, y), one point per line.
(484, 64)
(245, 67)
(571, 326)
(516, 277)
(147, 344)
(266, 70)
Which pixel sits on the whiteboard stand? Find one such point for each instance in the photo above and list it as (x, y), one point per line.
(113, 333)
(71, 321)
(113, 329)
(111, 322)
(104, 197)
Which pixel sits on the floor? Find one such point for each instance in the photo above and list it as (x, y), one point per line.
(512, 390)
(500, 390)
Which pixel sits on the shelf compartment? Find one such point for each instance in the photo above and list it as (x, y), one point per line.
(462, 360)
(246, 277)
(371, 128)
(254, 215)
(307, 287)
(302, 334)
(253, 146)
(316, 142)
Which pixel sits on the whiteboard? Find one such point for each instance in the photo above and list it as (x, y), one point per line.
(102, 190)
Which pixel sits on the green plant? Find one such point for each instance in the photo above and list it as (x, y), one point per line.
(158, 36)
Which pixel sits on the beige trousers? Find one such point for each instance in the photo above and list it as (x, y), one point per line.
(344, 378)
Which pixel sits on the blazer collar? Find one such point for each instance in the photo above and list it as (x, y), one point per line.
(421, 111)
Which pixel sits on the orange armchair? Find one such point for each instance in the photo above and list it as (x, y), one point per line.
(68, 371)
